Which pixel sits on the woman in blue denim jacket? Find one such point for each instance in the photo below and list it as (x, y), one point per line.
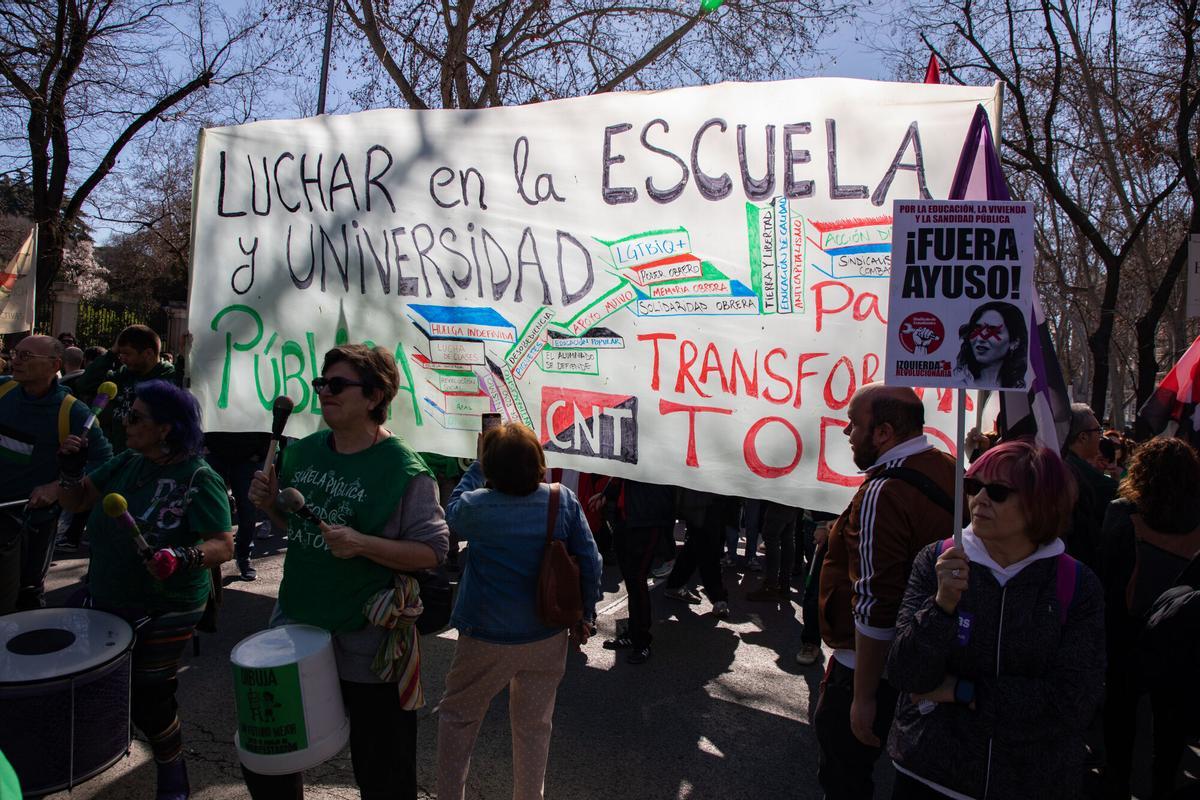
(500, 508)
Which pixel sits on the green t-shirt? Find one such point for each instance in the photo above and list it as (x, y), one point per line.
(10, 787)
(361, 490)
(173, 504)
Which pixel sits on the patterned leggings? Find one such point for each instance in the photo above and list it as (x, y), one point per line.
(156, 655)
(157, 651)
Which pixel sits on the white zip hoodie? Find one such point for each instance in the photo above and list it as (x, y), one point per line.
(977, 554)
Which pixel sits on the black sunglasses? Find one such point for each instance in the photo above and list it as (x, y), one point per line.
(997, 492)
(335, 385)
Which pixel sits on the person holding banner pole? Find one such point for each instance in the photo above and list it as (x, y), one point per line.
(999, 647)
(904, 504)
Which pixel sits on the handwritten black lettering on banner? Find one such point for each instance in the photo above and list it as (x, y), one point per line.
(683, 286)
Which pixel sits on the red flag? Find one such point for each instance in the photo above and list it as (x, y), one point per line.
(933, 73)
(1175, 399)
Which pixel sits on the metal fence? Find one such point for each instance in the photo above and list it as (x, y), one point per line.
(101, 320)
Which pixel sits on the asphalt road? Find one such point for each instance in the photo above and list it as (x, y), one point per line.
(720, 711)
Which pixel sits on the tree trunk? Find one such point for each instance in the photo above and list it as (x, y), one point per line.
(1116, 369)
(49, 257)
(1100, 342)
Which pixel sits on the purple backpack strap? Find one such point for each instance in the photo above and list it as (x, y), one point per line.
(945, 545)
(1064, 585)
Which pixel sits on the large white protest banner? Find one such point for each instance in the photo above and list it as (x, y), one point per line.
(682, 286)
(17, 288)
(961, 294)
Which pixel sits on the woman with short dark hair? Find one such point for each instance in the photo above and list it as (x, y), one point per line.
(1151, 533)
(380, 518)
(181, 508)
(502, 509)
(999, 648)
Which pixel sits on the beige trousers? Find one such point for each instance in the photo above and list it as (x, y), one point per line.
(480, 670)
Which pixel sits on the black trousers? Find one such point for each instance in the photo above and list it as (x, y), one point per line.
(26, 549)
(811, 606)
(702, 550)
(238, 472)
(779, 535)
(383, 749)
(635, 548)
(845, 766)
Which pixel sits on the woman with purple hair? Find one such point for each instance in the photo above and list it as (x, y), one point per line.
(180, 507)
(999, 648)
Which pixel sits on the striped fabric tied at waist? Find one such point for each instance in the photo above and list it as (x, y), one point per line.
(399, 657)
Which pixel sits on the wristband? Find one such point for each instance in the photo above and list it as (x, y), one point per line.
(188, 557)
(66, 481)
(964, 691)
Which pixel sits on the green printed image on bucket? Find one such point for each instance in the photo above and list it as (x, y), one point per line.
(270, 709)
(289, 700)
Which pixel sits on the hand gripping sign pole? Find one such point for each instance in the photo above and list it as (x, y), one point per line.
(961, 453)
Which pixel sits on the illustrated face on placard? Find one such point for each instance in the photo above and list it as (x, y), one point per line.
(994, 346)
(990, 340)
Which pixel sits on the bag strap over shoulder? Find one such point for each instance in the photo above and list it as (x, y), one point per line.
(64, 418)
(64, 410)
(552, 513)
(1064, 585)
(1066, 575)
(922, 482)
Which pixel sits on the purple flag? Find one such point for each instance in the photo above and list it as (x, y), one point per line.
(1045, 410)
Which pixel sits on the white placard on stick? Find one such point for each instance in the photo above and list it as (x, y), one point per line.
(961, 294)
(1193, 276)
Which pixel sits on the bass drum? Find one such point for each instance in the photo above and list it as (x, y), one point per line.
(64, 695)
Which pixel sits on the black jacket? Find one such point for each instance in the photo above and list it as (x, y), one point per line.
(643, 504)
(1096, 491)
(1038, 682)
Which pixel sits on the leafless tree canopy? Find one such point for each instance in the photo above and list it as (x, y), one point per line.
(471, 54)
(81, 79)
(1101, 130)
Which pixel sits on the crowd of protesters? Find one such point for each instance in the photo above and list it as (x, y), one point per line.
(1023, 650)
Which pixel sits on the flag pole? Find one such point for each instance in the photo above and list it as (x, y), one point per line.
(960, 451)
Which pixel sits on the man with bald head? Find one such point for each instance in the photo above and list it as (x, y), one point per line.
(904, 503)
(36, 414)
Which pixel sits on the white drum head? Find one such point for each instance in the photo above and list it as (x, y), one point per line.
(287, 644)
(48, 643)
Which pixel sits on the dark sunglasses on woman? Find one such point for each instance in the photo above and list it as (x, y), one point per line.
(997, 492)
(335, 385)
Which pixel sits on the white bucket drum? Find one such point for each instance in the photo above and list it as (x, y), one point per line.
(64, 695)
(289, 700)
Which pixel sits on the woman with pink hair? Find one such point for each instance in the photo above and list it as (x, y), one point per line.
(999, 649)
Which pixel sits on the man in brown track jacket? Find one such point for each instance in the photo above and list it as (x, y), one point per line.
(870, 553)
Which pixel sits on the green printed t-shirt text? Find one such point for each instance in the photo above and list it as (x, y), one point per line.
(359, 490)
(173, 504)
